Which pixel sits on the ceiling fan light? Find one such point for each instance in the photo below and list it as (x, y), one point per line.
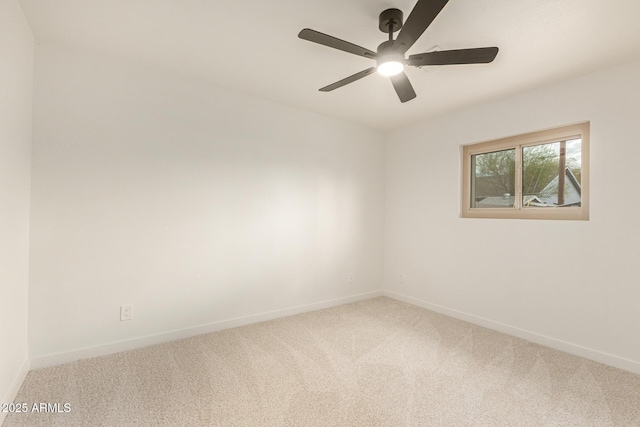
(390, 68)
(390, 62)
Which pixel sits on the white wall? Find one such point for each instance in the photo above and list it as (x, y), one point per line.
(193, 203)
(16, 90)
(571, 285)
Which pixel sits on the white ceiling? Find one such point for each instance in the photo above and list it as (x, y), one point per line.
(252, 46)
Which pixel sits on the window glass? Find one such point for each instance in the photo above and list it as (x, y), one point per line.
(493, 179)
(551, 174)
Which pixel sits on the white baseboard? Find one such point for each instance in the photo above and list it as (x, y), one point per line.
(15, 387)
(145, 341)
(567, 347)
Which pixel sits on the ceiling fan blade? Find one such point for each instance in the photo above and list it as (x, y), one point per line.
(480, 55)
(403, 87)
(422, 15)
(330, 41)
(350, 79)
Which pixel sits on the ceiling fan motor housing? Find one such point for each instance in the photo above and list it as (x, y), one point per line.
(386, 54)
(390, 19)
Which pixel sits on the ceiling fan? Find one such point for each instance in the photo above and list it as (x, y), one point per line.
(390, 55)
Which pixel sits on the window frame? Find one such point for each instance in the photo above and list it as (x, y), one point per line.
(518, 142)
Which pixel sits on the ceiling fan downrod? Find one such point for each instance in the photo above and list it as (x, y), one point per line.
(390, 21)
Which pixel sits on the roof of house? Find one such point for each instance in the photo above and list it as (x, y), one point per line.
(506, 201)
(572, 190)
(548, 196)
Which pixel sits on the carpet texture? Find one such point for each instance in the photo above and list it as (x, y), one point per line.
(378, 362)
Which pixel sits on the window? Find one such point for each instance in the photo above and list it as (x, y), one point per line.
(539, 175)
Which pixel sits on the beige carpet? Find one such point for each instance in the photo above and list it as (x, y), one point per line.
(373, 363)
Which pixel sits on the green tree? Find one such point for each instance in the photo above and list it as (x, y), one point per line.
(495, 172)
(575, 168)
(540, 167)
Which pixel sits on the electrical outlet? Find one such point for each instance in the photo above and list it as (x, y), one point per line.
(126, 312)
(401, 278)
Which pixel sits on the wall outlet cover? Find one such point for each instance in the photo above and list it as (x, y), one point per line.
(126, 312)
